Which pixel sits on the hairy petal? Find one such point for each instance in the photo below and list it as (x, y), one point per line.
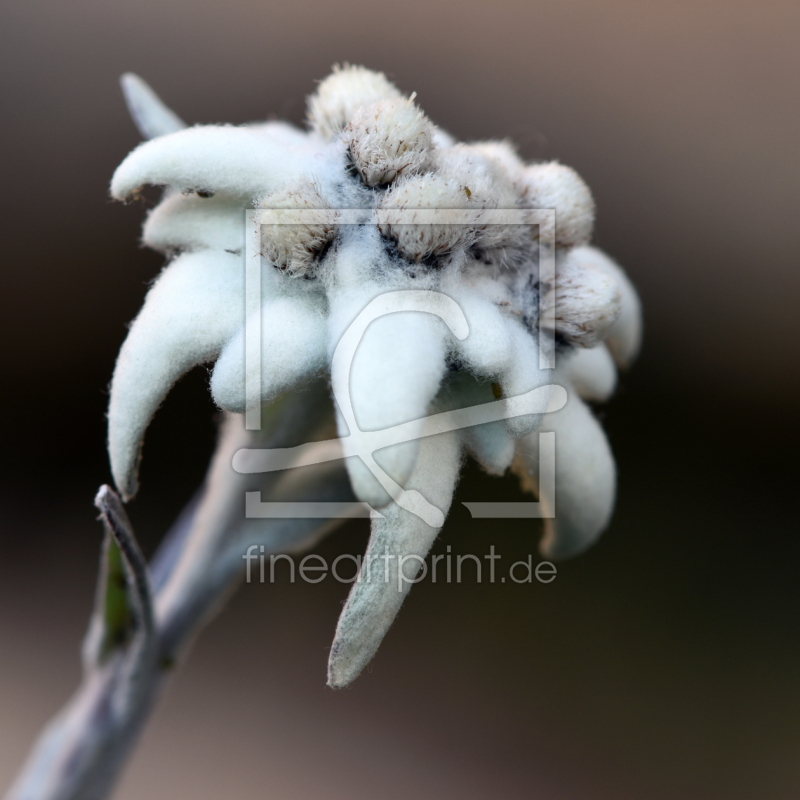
(193, 309)
(395, 373)
(585, 479)
(490, 443)
(592, 372)
(213, 158)
(149, 113)
(624, 337)
(400, 540)
(191, 222)
(500, 349)
(293, 338)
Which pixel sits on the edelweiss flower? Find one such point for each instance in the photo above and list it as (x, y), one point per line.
(371, 149)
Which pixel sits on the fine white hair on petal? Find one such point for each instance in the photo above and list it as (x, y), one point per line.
(389, 139)
(192, 310)
(149, 113)
(592, 372)
(420, 241)
(342, 93)
(293, 350)
(278, 132)
(624, 337)
(500, 349)
(522, 375)
(554, 186)
(212, 158)
(396, 373)
(487, 350)
(490, 444)
(583, 303)
(399, 540)
(585, 479)
(191, 222)
(399, 358)
(290, 245)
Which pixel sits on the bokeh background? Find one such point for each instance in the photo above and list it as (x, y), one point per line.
(663, 663)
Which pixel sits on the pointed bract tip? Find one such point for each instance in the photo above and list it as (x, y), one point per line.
(149, 114)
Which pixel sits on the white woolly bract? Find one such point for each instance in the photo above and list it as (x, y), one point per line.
(554, 186)
(379, 591)
(500, 350)
(393, 378)
(294, 242)
(389, 139)
(293, 338)
(342, 93)
(490, 444)
(421, 240)
(592, 372)
(583, 303)
(624, 337)
(585, 478)
(191, 222)
(194, 307)
(151, 116)
(213, 158)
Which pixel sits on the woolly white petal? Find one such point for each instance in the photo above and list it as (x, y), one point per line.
(624, 337)
(195, 306)
(149, 113)
(399, 357)
(395, 375)
(499, 348)
(284, 133)
(379, 591)
(522, 375)
(585, 478)
(190, 222)
(293, 336)
(592, 372)
(214, 158)
(490, 444)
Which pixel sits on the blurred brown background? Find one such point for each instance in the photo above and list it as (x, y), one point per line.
(663, 663)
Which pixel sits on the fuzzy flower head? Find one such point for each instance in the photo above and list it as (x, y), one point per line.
(371, 151)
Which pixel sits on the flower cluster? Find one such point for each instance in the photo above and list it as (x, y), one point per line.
(369, 148)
